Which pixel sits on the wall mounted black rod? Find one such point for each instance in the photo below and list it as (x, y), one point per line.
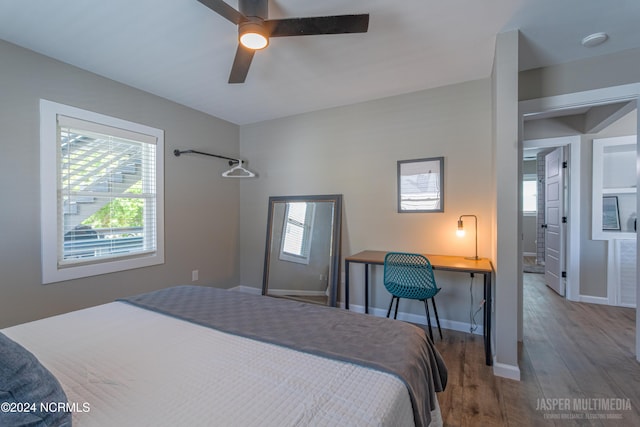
(232, 161)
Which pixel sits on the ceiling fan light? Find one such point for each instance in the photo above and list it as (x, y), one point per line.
(253, 36)
(253, 41)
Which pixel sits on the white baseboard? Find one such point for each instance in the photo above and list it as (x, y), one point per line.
(419, 319)
(506, 371)
(295, 292)
(602, 301)
(247, 289)
(594, 300)
(277, 292)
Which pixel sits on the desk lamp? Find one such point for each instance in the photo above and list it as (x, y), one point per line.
(461, 232)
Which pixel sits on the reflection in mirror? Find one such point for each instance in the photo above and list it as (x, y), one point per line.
(302, 253)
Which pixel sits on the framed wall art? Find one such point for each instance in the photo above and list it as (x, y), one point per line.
(421, 185)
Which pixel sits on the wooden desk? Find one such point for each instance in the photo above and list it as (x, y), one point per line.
(438, 262)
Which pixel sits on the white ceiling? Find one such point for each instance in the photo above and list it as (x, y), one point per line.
(183, 51)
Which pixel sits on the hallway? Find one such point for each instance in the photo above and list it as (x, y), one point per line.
(581, 355)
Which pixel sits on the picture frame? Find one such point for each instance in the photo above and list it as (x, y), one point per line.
(421, 185)
(610, 213)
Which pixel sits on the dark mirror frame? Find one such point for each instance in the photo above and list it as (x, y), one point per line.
(336, 236)
(427, 165)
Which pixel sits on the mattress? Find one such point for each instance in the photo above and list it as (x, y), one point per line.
(126, 366)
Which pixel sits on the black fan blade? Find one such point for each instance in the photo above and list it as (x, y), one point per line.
(224, 10)
(339, 24)
(241, 64)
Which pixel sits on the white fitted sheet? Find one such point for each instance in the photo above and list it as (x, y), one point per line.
(135, 367)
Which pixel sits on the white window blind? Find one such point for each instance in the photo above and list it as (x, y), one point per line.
(106, 191)
(298, 227)
(102, 206)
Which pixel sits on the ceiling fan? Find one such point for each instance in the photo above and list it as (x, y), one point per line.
(254, 29)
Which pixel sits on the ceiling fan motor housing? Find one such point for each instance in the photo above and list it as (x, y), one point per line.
(256, 27)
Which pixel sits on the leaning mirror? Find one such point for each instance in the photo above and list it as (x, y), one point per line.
(302, 252)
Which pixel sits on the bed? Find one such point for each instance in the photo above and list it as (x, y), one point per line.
(197, 356)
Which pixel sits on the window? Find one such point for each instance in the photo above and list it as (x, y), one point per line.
(298, 226)
(101, 193)
(530, 194)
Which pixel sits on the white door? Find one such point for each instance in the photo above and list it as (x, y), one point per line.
(554, 226)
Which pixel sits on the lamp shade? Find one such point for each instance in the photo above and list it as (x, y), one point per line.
(460, 231)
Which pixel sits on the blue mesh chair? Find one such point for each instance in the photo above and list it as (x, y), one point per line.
(410, 276)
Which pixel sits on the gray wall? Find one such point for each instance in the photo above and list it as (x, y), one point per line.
(603, 71)
(507, 244)
(593, 253)
(201, 209)
(529, 234)
(354, 151)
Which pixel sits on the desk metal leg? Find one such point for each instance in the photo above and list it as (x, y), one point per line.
(366, 288)
(487, 319)
(346, 285)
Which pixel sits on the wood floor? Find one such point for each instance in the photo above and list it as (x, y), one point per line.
(577, 353)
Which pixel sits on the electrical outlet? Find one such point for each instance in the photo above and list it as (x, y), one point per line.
(194, 275)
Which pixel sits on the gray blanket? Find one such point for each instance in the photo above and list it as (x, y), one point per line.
(384, 344)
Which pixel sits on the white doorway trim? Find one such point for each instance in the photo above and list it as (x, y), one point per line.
(587, 98)
(573, 225)
(628, 92)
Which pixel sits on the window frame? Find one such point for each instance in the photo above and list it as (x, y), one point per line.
(307, 234)
(49, 223)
